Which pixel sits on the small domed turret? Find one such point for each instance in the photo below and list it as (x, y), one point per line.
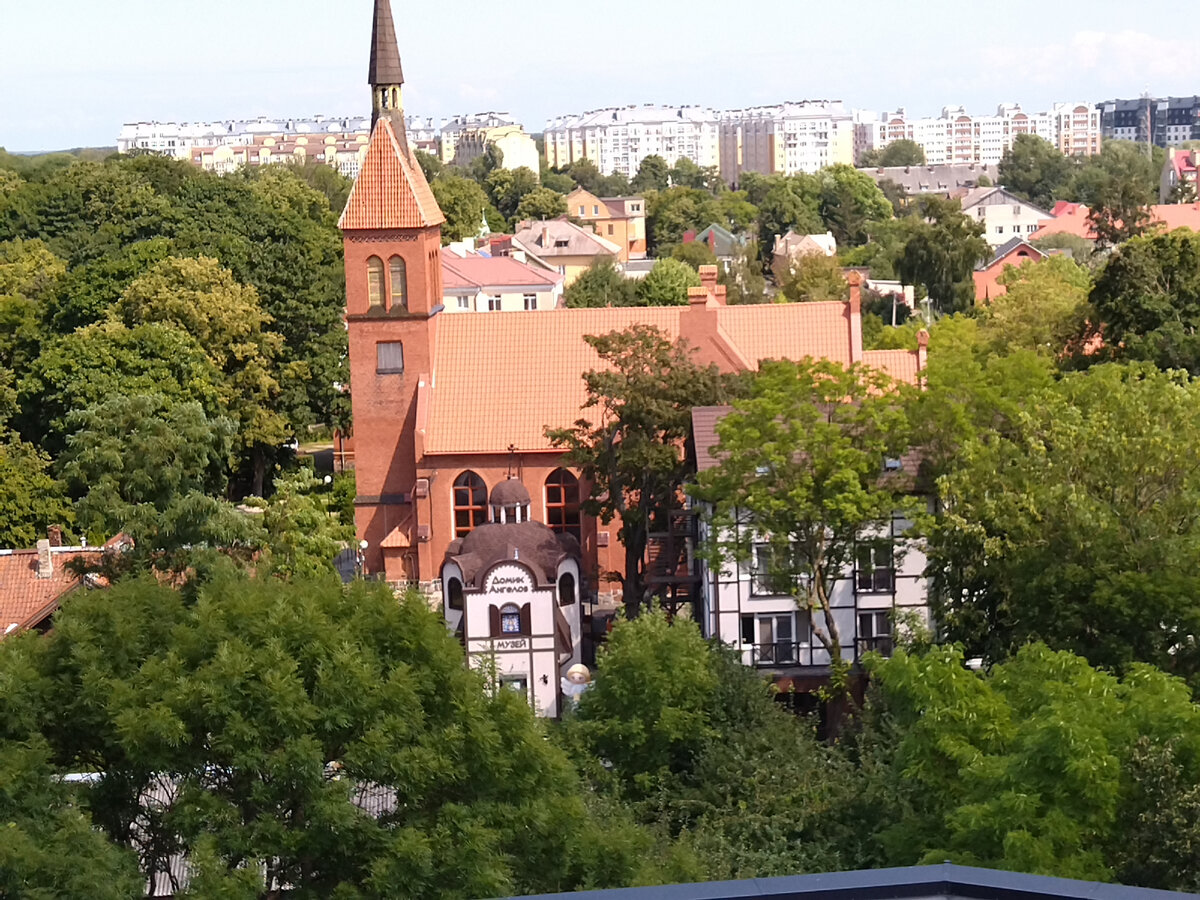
(510, 502)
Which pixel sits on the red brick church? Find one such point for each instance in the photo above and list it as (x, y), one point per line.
(447, 406)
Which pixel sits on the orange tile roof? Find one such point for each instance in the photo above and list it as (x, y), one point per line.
(901, 365)
(391, 190)
(25, 599)
(1074, 220)
(499, 379)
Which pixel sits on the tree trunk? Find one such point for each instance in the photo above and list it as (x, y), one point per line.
(631, 584)
(259, 461)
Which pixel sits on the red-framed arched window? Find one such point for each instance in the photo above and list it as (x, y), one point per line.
(562, 503)
(399, 276)
(470, 503)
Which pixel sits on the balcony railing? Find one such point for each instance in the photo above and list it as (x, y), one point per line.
(781, 653)
(883, 645)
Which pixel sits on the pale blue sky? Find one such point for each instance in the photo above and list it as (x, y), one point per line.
(71, 71)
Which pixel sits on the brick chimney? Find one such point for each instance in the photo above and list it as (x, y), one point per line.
(708, 278)
(54, 532)
(854, 308)
(45, 560)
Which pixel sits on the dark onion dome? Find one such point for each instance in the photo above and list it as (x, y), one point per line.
(510, 493)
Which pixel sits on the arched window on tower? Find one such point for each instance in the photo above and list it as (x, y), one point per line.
(375, 282)
(399, 284)
(562, 503)
(470, 503)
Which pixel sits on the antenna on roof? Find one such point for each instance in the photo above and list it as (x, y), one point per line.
(512, 454)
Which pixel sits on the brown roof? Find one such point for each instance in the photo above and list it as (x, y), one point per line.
(27, 600)
(391, 190)
(539, 362)
(531, 543)
(385, 52)
(544, 238)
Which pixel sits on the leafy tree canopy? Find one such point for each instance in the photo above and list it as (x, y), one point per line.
(667, 284)
(601, 284)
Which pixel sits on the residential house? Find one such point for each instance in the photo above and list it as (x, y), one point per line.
(568, 247)
(987, 276)
(792, 246)
(620, 220)
(951, 179)
(754, 607)
(1004, 215)
(1179, 169)
(33, 583)
(1072, 218)
(473, 282)
(724, 244)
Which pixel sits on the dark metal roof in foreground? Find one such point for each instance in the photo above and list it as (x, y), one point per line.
(944, 882)
(385, 52)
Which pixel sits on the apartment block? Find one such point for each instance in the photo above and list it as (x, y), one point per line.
(785, 139)
(617, 139)
(956, 137)
(1164, 120)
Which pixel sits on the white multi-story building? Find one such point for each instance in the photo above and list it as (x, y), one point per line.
(754, 606)
(207, 143)
(956, 137)
(1003, 215)
(619, 138)
(785, 139)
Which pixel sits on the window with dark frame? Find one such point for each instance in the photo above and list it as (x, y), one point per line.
(563, 504)
(530, 301)
(454, 593)
(518, 684)
(875, 632)
(399, 275)
(773, 571)
(566, 589)
(470, 503)
(876, 573)
(389, 358)
(510, 619)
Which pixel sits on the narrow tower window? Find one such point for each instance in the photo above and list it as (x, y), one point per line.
(375, 282)
(399, 284)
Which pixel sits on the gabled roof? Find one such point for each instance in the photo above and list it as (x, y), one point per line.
(26, 600)
(996, 195)
(538, 361)
(385, 52)
(549, 238)
(391, 190)
(477, 273)
(1074, 220)
(1009, 247)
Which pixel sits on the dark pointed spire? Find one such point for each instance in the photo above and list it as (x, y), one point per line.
(385, 52)
(386, 76)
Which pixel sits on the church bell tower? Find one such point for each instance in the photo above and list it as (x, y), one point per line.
(391, 230)
(386, 76)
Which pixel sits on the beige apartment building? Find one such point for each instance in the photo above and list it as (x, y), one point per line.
(785, 139)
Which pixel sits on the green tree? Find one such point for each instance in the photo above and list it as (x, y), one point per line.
(653, 174)
(31, 499)
(813, 276)
(49, 849)
(821, 433)
(278, 708)
(671, 213)
(686, 173)
(324, 179)
(1034, 169)
(1079, 248)
(508, 187)
(462, 201)
(1071, 523)
(943, 247)
(29, 276)
(695, 254)
(601, 284)
(1044, 308)
(226, 319)
(131, 460)
(1148, 297)
(431, 166)
(541, 203)
(1035, 766)
(304, 532)
(743, 279)
(630, 442)
(785, 204)
(667, 284)
(850, 201)
(898, 153)
(106, 360)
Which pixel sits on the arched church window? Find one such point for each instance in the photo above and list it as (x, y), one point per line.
(470, 503)
(454, 597)
(375, 282)
(399, 284)
(562, 504)
(566, 589)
